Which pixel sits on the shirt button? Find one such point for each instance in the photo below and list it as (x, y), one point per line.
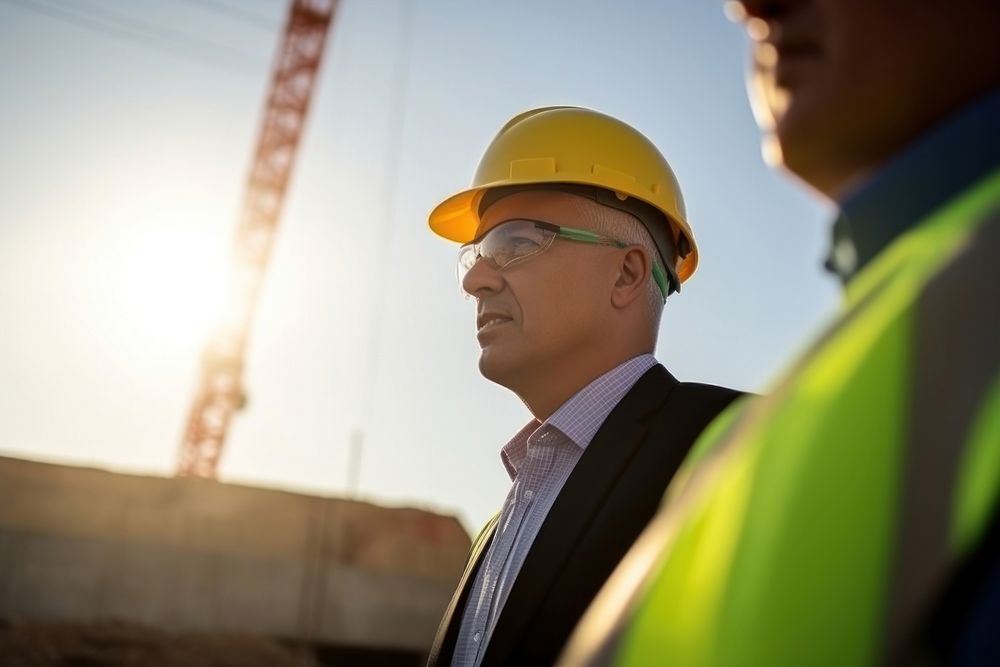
(528, 494)
(476, 637)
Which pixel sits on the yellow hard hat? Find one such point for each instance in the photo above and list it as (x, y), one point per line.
(573, 145)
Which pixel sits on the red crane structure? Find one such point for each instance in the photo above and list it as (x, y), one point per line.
(220, 391)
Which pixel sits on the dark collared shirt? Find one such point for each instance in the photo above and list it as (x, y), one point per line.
(938, 166)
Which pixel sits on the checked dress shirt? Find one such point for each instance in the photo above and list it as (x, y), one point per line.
(538, 459)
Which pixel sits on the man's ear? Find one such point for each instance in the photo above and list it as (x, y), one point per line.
(633, 274)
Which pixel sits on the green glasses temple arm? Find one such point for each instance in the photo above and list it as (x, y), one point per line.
(584, 236)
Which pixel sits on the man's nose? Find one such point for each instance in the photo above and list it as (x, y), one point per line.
(482, 279)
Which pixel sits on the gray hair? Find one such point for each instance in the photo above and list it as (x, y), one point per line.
(628, 229)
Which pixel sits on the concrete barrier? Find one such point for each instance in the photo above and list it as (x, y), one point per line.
(191, 555)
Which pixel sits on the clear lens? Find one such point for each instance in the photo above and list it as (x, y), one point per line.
(467, 258)
(514, 240)
(505, 244)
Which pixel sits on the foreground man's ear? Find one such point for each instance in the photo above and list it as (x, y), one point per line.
(633, 273)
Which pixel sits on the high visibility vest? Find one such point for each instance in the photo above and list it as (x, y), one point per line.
(818, 525)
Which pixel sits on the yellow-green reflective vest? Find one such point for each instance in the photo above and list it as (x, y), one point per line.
(818, 525)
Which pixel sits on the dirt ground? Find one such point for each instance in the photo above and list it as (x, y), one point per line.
(35, 644)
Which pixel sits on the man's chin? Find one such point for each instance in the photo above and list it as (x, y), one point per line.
(498, 367)
(817, 163)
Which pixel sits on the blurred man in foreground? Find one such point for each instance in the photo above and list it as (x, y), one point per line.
(575, 234)
(852, 517)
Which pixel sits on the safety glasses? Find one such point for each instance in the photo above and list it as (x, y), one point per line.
(514, 241)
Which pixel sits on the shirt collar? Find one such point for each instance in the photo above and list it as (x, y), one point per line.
(579, 418)
(939, 165)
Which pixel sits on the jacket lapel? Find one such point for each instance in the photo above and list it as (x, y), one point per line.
(583, 494)
(443, 647)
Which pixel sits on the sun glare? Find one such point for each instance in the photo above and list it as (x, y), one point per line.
(169, 285)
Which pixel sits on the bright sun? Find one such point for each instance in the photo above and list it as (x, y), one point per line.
(169, 284)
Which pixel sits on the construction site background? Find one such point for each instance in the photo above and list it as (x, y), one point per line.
(120, 568)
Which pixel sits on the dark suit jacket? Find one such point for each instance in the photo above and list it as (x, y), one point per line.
(612, 493)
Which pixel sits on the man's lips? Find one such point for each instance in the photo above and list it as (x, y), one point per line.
(490, 319)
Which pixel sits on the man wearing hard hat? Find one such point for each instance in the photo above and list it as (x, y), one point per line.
(574, 234)
(852, 517)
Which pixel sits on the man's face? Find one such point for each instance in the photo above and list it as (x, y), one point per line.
(840, 85)
(542, 314)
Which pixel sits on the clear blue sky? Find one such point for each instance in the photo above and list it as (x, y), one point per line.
(122, 165)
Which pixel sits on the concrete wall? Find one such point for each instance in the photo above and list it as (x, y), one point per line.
(196, 555)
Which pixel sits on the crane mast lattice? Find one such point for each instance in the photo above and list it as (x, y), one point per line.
(220, 391)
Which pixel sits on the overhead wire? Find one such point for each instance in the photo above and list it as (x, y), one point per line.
(396, 125)
(237, 13)
(329, 540)
(141, 32)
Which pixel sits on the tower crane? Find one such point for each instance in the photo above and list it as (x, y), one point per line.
(220, 391)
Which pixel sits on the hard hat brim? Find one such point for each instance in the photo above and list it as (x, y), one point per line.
(457, 217)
